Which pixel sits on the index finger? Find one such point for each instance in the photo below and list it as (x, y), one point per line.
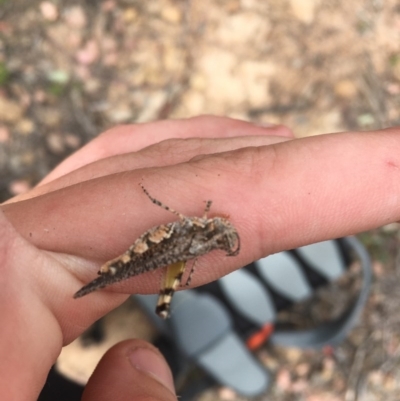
(278, 197)
(133, 137)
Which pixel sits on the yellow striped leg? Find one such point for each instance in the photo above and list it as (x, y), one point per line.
(172, 280)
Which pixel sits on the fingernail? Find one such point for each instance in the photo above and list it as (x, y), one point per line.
(153, 364)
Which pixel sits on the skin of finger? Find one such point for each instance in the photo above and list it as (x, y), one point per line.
(280, 197)
(165, 153)
(131, 138)
(31, 338)
(251, 185)
(115, 379)
(32, 331)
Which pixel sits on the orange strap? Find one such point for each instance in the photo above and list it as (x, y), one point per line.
(260, 337)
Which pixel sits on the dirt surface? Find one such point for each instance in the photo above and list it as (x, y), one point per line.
(69, 70)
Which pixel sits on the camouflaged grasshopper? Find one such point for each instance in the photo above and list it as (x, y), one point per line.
(170, 245)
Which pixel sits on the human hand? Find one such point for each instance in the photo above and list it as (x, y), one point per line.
(38, 314)
(279, 194)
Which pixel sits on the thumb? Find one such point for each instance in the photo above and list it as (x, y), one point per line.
(132, 370)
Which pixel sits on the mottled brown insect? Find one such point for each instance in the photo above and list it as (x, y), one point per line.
(165, 245)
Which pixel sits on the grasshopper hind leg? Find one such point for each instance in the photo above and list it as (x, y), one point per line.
(172, 280)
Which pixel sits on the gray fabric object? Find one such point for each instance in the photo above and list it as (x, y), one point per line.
(201, 325)
(199, 321)
(203, 330)
(282, 273)
(324, 257)
(244, 287)
(229, 362)
(334, 332)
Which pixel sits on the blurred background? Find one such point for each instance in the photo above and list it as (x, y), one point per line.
(70, 70)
